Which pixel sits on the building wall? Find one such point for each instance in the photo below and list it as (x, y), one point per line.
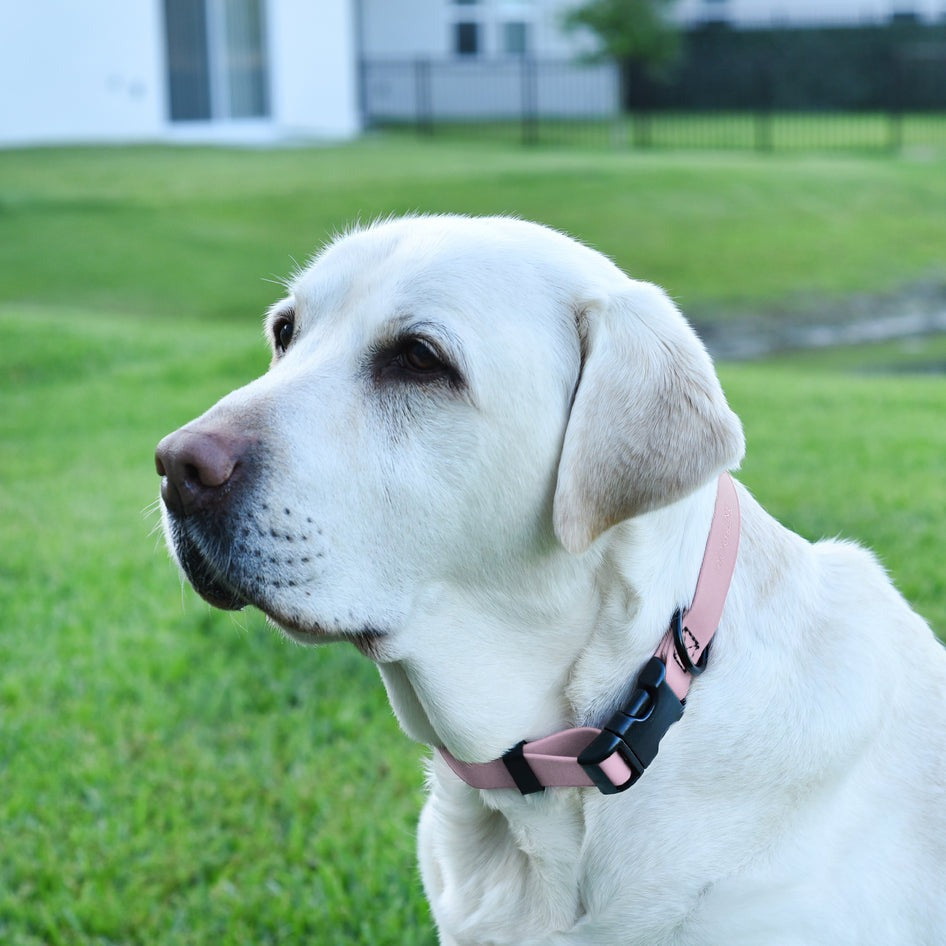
(96, 71)
(405, 29)
(412, 29)
(314, 77)
(413, 71)
(88, 71)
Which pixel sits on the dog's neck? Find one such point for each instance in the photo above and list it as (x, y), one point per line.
(559, 648)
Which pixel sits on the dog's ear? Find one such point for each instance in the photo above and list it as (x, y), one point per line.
(649, 423)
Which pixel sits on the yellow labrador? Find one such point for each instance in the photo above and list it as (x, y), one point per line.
(490, 459)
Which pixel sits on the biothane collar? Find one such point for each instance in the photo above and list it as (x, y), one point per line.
(614, 758)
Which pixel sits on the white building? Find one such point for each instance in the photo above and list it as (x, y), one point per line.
(168, 70)
(478, 60)
(272, 70)
(439, 29)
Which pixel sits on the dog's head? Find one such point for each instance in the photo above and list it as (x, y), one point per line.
(450, 402)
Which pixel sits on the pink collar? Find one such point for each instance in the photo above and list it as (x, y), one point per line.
(613, 758)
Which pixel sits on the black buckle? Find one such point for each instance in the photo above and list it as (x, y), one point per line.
(635, 730)
(680, 646)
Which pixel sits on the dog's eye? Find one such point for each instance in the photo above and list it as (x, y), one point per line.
(419, 357)
(414, 360)
(283, 329)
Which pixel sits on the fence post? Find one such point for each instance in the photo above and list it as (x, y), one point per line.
(640, 119)
(763, 112)
(423, 107)
(895, 113)
(636, 98)
(363, 108)
(529, 100)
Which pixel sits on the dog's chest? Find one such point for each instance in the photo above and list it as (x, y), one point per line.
(506, 871)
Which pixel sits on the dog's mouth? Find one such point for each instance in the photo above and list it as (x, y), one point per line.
(218, 579)
(210, 582)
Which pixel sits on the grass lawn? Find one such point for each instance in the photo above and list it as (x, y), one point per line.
(175, 775)
(203, 232)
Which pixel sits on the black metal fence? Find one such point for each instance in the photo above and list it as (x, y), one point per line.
(868, 87)
(518, 93)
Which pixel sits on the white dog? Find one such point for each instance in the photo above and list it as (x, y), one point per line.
(490, 460)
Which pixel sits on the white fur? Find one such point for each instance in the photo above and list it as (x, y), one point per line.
(523, 557)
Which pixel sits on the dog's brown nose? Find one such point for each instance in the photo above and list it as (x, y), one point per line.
(195, 466)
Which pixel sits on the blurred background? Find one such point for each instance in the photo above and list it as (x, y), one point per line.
(609, 71)
(170, 774)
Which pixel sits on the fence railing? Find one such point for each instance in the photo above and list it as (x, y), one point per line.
(868, 88)
(522, 92)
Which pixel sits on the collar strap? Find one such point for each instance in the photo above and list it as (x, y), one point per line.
(614, 758)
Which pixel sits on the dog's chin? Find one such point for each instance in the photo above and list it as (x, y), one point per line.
(222, 597)
(205, 579)
(309, 635)
(369, 641)
(224, 592)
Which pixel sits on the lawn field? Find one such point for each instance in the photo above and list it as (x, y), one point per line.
(175, 775)
(205, 232)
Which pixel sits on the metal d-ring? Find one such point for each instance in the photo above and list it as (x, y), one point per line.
(679, 645)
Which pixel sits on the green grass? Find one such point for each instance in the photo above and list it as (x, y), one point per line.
(204, 232)
(174, 775)
(863, 457)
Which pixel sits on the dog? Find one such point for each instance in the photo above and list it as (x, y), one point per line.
(491, 461)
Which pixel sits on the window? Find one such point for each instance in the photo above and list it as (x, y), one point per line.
(466, 39)
(185, 26)
(217, 67)
(245, 59)
(515, 38)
